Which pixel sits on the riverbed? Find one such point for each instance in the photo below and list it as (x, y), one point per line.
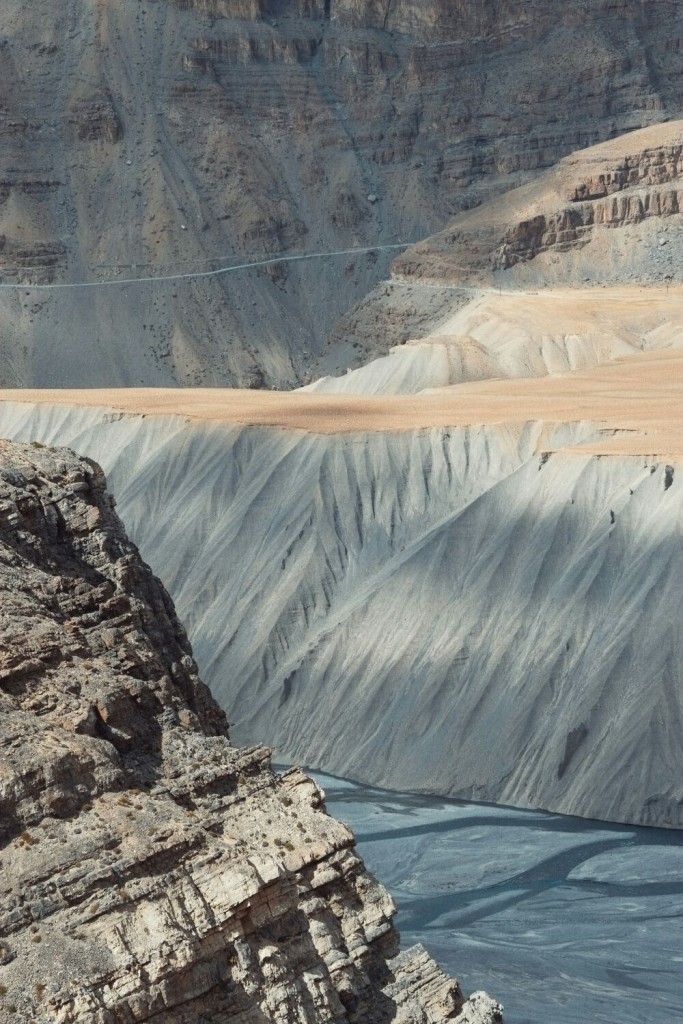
(563, 920)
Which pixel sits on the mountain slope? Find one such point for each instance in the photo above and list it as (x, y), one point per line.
(606, 215)
(152, 137)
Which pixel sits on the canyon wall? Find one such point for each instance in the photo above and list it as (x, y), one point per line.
(145, 138)
(452, 610)
(151, 870)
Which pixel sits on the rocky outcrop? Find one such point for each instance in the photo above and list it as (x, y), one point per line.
(652, 166)
(572, 227)
(40, 262)
(186, 135)
(625, 192)
(150, 870)
(619, 184)
(95, 120)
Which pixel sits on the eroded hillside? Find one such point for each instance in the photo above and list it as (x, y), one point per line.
(145, 138)
(487, 611)
(455, 569)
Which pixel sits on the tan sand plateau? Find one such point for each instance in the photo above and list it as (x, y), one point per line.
(641, 394)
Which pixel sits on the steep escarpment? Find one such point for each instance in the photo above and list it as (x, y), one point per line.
(149, 869)
(168, 138)
(483, 611)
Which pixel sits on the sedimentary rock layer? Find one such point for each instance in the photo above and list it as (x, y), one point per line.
(606, 215)
(163, 137)
(575, 210)
(150, 870)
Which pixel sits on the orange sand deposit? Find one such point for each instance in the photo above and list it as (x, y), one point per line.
(642, 395)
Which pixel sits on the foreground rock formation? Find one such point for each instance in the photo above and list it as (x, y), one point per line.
(150, 870)
(164, 137)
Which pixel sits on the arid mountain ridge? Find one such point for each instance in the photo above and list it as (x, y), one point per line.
(605, 215)
(156, 137)
(634, 182)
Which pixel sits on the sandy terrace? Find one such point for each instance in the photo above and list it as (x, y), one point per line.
(626, 311)
(642, 395)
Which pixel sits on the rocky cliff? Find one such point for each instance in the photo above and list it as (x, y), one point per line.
(145, 138)
(150, 870)
(586, 202)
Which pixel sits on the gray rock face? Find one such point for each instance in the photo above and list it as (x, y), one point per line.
(156, 137)
(150, 870)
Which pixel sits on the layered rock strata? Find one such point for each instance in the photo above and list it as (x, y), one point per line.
(145, 138)
(620, 184)
(150, 870)
(608, 214)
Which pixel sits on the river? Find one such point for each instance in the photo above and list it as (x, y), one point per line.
(563, 920)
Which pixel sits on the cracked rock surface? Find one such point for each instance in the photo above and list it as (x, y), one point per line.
(148, 868)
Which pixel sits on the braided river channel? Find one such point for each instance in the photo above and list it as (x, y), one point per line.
(561, 919)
